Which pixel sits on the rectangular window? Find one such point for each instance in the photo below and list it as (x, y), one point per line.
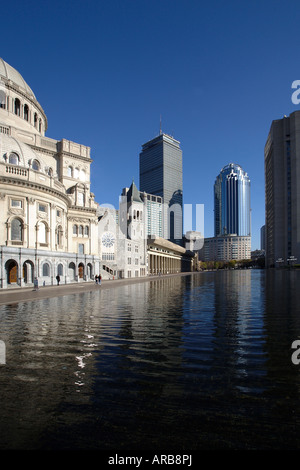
(16, 203)
(42, 208)
(80, 199)
(2, 99)
(81, 248)
(108, 256)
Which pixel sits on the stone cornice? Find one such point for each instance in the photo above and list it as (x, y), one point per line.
(83, 209)
(43, 150)
(63, 153)
(80, 220)
(37, 186)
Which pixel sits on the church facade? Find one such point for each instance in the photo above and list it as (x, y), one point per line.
(48, 221)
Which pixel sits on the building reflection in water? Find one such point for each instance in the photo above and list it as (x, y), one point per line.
(282, 328)
(234, 319)
(225, 311)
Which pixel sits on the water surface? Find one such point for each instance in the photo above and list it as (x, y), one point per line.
(186, 363)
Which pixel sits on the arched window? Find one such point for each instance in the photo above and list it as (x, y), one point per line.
(76, 173)
(16, 230)
(50, 171)
(59, 234)
(75, 230)
(17, 106)
(46, 269)
(82, 175)
(28, 271)
(2, 99)
(71, 271)
(89, 270)
(42, 234)
(70, 171)
(86, 230)
(35, 119)
(40, 125)
(13, 159)
(60, 269)
(26, 112)
(81, 270)
(36, 165)
(11, 271)
(80, 230)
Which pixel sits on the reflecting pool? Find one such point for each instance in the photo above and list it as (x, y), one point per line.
(193, 362)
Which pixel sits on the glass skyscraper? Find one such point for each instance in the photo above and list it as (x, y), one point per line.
(161, 175)
(232, 202)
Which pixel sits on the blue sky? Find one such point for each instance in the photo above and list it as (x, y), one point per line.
(217, 73)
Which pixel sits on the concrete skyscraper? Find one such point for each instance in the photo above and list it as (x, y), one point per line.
(232, 202)
(282, 191)
(161, 175)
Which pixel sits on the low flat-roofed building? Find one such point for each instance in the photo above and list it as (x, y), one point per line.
(165, 257)
(226, 248)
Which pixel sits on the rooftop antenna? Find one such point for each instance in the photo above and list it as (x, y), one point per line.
(160, 131)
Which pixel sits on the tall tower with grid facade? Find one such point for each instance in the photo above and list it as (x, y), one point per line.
(161, 175)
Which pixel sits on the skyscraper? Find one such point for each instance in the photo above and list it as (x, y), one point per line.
(161, 175)
(282, 191)
(263, 238)
(232, 202)
(153, 212)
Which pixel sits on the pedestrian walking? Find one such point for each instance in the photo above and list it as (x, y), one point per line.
(36, 283)
(99, 277)
(58, 279)
(96, 279)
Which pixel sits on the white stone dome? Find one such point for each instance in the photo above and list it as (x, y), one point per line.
(9, 73)
(19, 107)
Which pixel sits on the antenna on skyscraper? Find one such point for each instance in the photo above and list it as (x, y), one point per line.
(160, 131)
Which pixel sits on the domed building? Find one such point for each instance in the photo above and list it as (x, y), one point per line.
(48, 220)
